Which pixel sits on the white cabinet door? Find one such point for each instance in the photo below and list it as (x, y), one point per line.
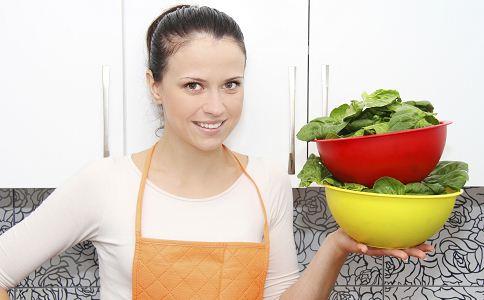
(51, 97)
(275, 35)
(427, 50)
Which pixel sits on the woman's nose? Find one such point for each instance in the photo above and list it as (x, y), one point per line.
(214, 104)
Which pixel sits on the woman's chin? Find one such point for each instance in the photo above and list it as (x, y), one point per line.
(209, 144)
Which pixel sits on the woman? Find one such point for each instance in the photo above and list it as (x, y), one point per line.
(211, 223)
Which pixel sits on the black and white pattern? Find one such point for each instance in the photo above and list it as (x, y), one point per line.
(6, 210)
(73, 274)
(79, 293)
(454, 271)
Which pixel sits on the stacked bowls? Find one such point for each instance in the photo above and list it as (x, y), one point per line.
(383, 220)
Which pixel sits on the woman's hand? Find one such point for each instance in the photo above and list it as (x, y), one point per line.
(348, 245)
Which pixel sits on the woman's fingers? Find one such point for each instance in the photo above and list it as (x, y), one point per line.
(419, 251)
(425, 247)
(389, 252)
(362, 247)
(415, 252)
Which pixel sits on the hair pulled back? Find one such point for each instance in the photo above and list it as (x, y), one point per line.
(176, 25)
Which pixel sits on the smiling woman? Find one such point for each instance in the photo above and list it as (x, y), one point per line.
(199, 194)
(198, 87)
(188, 217)
(197, 60)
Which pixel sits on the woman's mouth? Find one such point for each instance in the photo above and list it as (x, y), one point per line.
(207, 128)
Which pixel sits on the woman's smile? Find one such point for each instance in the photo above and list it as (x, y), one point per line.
(209, 128)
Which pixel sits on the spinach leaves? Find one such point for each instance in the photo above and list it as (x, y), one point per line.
(447, 177)
(313, 171)
(379, 112)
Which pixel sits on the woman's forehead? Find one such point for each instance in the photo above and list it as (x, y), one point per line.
(204, 55)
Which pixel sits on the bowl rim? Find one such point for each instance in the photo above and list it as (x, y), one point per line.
(395, 196)
(441, 123)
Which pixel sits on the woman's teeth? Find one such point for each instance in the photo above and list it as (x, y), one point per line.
(209, 126)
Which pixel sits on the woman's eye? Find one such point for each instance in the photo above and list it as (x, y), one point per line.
(192, 85)
(232, 84)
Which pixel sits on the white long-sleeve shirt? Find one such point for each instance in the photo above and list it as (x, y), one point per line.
(98, 204)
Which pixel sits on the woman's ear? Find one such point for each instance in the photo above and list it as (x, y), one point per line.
(154, 87)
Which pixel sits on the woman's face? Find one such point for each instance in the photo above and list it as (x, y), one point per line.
(202, 86)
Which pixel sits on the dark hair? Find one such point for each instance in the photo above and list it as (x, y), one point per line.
(174, 27)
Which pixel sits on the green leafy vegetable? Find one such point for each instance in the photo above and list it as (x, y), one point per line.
(423, 105)
(379, 112)
(372, 129)
(312, 171)
(331, 181)
(354, 187)
(388, 185)
(447, 177)
(321, 128)
(424, 188)
(345, 111)
(408, 117)
(380, 98)
(449, 174)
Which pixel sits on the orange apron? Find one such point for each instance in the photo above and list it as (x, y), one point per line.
(173, 269)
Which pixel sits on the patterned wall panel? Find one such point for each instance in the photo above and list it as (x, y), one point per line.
(6, 209)
(454, 271)
(74, 267)
(458, 259)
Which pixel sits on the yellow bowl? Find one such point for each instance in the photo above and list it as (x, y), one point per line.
(389, 221)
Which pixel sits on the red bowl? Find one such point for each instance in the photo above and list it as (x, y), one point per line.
(407, 155)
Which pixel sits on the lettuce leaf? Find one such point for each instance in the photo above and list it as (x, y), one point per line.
(447, 177)
(379, 112)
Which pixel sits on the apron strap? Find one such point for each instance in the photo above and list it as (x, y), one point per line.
(142, 190)
(266, 226)
(143, 183)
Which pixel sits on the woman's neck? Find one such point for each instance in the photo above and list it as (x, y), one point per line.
(188, 163)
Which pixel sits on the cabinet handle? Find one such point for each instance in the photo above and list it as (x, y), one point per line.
(325, 88)
(105, 81)
(292, 106)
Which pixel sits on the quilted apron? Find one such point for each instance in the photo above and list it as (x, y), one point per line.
(174, 269)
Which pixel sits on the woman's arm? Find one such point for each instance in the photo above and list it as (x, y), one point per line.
(317, 281)
(4, 295)
(70, 214)
(283, 279)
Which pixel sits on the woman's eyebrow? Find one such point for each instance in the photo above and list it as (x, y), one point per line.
(202, 80)
(236, 77)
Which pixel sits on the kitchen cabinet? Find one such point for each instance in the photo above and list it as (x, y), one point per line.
(51, 118)
(274, 42)
(427, 50)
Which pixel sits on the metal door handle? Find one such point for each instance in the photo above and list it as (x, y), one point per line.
(105, 85)
(292, 106)
(325, 88)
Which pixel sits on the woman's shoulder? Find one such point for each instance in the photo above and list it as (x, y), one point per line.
(107, 164)
(267, 168)
(101, 169)
(266, 163)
